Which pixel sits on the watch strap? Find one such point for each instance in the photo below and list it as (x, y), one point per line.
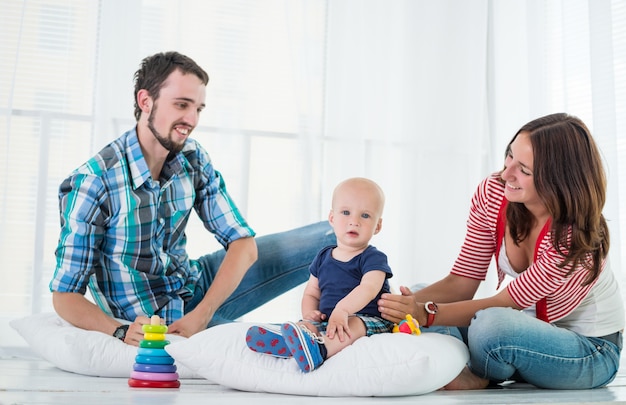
(431, 310)
(430, 319)
(120, 332)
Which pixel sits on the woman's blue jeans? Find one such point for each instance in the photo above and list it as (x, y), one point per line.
(506, 344)
(282, 264)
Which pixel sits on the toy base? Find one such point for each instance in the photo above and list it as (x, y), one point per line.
(148, 376)
(133, 382)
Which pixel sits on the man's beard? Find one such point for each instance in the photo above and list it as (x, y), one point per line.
(167, 143)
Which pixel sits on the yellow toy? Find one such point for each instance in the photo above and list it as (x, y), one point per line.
(409, 326)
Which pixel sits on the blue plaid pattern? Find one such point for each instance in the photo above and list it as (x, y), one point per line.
(123, 233)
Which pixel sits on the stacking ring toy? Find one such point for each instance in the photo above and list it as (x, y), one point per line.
(154, 359)
(140, 375)
(132, 382)
(152, 352)
(154, 344)
(154, 328)
(153, 336)
(155, 368)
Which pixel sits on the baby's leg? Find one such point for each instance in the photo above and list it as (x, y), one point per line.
(312, 326)
(357, 330)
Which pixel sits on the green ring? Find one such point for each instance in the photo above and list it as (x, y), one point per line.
(154, 344)
(154, 328)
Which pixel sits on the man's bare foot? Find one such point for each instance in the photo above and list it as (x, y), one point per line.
(467, 381)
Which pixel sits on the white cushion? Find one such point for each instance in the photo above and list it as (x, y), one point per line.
(380, 365)
(81, 351)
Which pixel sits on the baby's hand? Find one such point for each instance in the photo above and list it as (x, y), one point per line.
(314, 316)
(338, 324)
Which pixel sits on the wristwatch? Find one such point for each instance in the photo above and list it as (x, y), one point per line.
(431, 311)
(120, 332)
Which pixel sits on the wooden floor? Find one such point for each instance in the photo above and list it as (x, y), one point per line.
(26, 379)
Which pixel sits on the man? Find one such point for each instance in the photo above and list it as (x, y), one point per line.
(123, 218)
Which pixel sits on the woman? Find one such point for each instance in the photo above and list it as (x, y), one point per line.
(558, 324)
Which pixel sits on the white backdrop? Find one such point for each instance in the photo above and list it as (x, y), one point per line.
(422, 96)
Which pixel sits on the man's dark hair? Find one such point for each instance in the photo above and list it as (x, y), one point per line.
(155, 69)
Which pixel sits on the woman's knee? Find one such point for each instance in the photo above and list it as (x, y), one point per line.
(494, 322)
(490, 331)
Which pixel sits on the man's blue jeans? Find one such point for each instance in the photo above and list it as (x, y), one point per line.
(282, 264)
(506, 344)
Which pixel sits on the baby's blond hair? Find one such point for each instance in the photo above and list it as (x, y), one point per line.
(363, 183)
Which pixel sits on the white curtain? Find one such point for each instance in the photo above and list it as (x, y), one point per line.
(421, 96)
(406, 106)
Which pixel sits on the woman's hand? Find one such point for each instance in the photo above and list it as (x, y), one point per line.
(395, 307)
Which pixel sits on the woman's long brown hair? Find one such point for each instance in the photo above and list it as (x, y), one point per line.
(570, 180)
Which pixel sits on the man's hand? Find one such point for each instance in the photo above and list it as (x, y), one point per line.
(190, 324)
(240, 255)
(134, 334)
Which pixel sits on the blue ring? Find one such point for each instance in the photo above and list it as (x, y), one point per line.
(153, 359)
(152, 352)
(154, 368)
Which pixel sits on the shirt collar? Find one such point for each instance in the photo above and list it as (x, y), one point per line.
(139, 171)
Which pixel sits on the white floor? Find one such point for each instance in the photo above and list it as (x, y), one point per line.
(26, 379)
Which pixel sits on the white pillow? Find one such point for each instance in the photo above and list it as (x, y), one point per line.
(381, 365)
(81, 351)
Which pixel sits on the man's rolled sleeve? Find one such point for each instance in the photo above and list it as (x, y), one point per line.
(219, 212)
(76, 255)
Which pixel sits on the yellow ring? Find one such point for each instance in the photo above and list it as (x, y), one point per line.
(154, 336)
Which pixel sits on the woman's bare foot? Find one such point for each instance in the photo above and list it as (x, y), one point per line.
(467, 381)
